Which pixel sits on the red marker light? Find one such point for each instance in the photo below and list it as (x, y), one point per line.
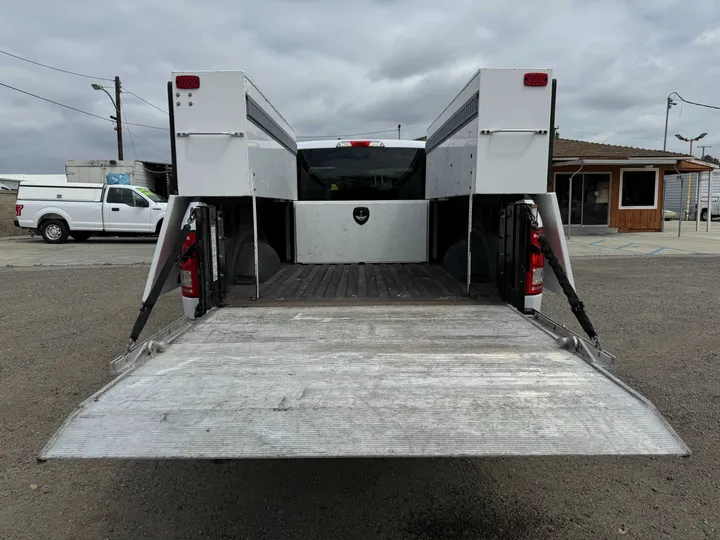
(187, 82)
(536, 79)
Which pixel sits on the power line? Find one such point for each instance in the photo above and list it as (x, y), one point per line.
(146, 126)
(125, 91)
(55, 102)
(54, 68)
(132, 142)
(150, 144)
(346, 134)
(78, 110)
(147, 142)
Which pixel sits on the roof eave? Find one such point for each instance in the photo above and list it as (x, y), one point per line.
(625, 161)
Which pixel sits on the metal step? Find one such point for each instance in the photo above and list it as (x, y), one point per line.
(420, 380)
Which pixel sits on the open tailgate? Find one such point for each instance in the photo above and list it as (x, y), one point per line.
(363, 381)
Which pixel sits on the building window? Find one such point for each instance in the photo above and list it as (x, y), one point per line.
(638, 189)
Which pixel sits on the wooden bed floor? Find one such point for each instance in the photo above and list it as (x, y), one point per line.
(374, 282)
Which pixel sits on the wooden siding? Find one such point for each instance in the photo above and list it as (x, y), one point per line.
(626, 220)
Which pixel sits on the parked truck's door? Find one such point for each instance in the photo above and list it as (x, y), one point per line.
(127, 211)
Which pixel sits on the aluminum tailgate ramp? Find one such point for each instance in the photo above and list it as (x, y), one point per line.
(363, 381)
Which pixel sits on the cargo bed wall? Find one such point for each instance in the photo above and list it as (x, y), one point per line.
(230, 140)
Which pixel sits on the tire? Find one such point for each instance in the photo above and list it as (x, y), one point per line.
(703, 214)
(158, 227)
(55, 231)
(80, 236)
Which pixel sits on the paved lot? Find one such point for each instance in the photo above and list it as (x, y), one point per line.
(690, 242)
(60, 327)
(27, 251)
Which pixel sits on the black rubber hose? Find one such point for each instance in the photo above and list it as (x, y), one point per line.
(147, 306)
(576, 305)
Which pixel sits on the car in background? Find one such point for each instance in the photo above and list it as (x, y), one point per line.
(669, 215)
(3, 187)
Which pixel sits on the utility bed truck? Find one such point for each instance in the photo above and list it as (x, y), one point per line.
(362, 298)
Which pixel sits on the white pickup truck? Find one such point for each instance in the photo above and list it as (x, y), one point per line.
(362, 298)
(714, 206)
(81, 210)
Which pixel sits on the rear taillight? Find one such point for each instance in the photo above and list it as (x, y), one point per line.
(18, 210)
(187, 82)
(361, 144)
(189, 268)
(534, 277)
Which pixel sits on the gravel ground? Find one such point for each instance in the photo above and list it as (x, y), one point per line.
(60, 327)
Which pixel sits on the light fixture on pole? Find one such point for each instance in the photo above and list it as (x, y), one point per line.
(691, 141)
(117, 117)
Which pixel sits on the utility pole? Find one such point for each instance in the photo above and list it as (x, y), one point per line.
(670, 103)
(399, 131)
(118, 118)
(704, 146)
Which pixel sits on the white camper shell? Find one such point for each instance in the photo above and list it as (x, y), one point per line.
(304, 342)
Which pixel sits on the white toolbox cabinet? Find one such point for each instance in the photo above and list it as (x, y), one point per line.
(229, 138)
(493, 138)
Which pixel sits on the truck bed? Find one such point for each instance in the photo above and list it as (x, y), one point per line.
(397, 379)
(359, 282)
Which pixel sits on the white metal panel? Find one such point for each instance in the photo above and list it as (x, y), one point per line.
(396, 231)
(175, 217)
(510, 162)
(363, 381)
(212, 165)
(555, 233)
(219, 146)
(272, 164)
(496, 120)
(273, 167)
(450, 169)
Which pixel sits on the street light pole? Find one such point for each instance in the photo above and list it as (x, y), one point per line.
(687, 203)
(704, 146)
(118, 112)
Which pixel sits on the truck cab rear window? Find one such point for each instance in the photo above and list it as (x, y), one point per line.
(361, 173)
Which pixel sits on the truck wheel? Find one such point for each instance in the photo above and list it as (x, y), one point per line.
(55, 231)
(80, 236)
(703, 214)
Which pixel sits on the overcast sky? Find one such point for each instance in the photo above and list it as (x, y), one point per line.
(340, 67)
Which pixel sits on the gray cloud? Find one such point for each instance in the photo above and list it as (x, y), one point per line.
(335, 68)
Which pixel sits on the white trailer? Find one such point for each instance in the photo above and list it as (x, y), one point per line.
(289, 352)
(96, 171)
